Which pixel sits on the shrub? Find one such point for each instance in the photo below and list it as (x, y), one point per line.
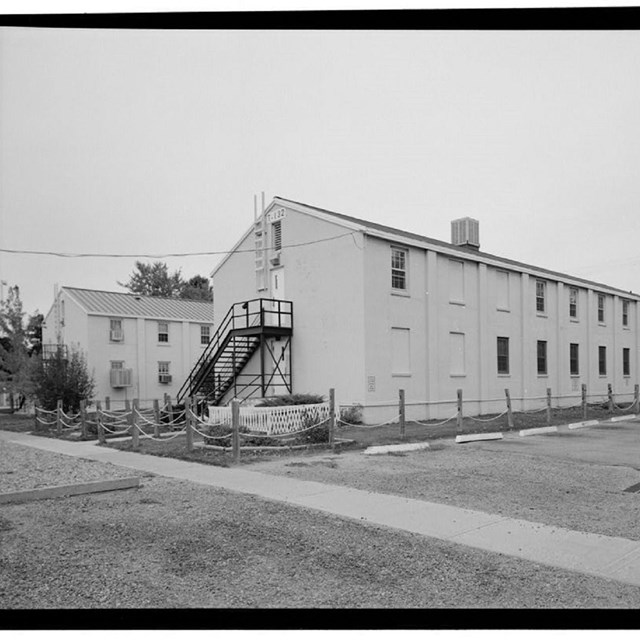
(352, 414)
(318, 433)
(62, 378)
(291, 399)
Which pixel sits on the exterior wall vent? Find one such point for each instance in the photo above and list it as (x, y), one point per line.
(465, 232)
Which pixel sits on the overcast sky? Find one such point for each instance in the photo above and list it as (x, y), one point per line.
(156, 142)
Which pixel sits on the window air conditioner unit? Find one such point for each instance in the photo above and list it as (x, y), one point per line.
(164, 378)
(116, 335)
(275, 259)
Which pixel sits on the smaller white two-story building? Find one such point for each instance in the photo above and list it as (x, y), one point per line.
(136, 346)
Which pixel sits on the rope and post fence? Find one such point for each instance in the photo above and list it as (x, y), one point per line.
(59, 418)
(235, 429)
(402, 412)
(188, 403)
(509, 412)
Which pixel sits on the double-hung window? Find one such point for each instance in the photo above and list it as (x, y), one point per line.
(503, 356)
(574, 363)
(625, 313)
(626, 362)
(573, 302)
(542, 357)
(602, 361)
(163, 332)
(205, 333)
(116, 334)
(601, 308)
(164, 374)
(541, 296)
(398, 269)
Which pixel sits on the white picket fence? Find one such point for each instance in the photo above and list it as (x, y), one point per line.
(273, 420)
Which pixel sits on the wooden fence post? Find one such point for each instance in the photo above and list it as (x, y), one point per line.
(156, 418)
(584, 401)
(101, 436)
(636, 397)
(548, 405)
(187, 422)
(509, 412)
(332, 417)
(402, 412)
(235, 426)
(459, 419)
(170, 410)
(107, 403)
(59, 418)
(83, 419)
(127, 405)
(610, 395)
(35, 416)
(135, 436)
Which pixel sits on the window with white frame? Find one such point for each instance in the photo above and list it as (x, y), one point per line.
(625, 313)
(541, 296)
(573, 303)
(456, 354)
(601, 306)
(116, 334)
(205, 333)
(542, 357)
(502, 290)
(626, 362)
(164, 372)
(163, 332)
(456, 281)
(503, 356)
(602, 361)
(400, 351)
(574, 359)
(398, 269)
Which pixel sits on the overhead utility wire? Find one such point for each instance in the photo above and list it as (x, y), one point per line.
(161, 255)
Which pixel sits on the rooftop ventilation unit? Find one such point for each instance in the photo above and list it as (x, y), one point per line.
(465, 233)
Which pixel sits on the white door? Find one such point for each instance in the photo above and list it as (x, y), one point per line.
(277, 284)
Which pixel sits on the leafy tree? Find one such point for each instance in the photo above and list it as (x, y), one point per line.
(154, 279)
(197, 288)
(63, 377)
(34, 333)
(15, 369)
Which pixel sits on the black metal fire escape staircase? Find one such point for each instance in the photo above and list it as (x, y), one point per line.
(244, 330)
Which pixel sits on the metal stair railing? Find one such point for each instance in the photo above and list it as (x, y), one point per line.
(239, 316)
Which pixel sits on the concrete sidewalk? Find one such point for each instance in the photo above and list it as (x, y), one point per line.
(603, 556)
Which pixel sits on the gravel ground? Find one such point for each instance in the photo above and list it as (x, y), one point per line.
(496, 478)
(175, 544)
(23, 468)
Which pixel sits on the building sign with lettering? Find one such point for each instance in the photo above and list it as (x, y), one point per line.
(273, 216)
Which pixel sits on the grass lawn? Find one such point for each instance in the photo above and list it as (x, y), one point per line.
(16, 422)
(417, 432)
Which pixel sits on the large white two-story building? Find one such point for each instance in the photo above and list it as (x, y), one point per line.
(136, 346)
(376, 309)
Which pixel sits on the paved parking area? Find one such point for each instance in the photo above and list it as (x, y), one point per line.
(609, 443)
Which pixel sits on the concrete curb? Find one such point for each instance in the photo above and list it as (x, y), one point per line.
(537, 430)
(478, 436)
(60, 491)
(391, 448)
(584, 423)
(622, 418)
